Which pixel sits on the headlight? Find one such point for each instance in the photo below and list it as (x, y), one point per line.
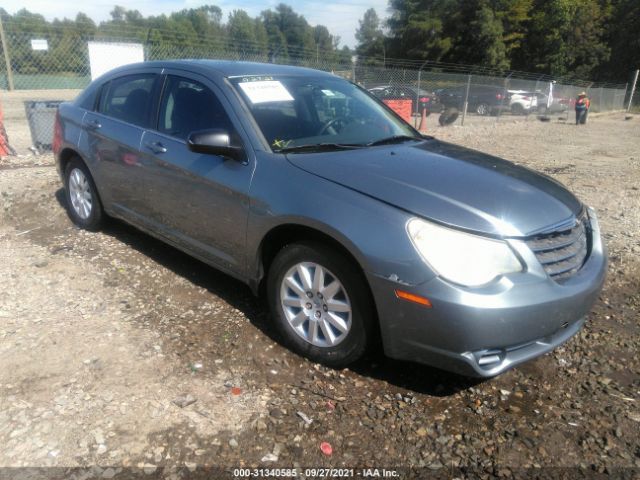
(461, 257)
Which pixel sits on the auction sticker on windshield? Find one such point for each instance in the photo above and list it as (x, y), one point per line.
(266, 91)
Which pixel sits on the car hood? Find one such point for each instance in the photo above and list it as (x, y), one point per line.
(450, 184)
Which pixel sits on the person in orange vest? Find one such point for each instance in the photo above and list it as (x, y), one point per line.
(582, 108)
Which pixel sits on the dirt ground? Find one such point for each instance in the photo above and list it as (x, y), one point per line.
(120, 356)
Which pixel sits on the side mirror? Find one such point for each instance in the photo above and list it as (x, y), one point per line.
(216, 142)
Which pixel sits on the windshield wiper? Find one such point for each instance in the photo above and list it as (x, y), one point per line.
(393, 139)
(318, 147)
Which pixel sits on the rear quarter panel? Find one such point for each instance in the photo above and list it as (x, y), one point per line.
(70, 118)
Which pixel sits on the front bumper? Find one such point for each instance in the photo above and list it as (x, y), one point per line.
(483, 332)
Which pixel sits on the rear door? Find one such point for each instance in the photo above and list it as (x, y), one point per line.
(199, 201)
(112, 136)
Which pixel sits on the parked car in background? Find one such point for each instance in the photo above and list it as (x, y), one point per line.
(558, 104)
(483, 99)
(426, 101)
(357, 230)
(522, 102)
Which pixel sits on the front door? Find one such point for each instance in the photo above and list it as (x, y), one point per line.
(197, 200)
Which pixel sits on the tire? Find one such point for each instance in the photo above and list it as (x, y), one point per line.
(483, 109)
(542, 109)
(295, 321)
(83, 203)
(447, 117)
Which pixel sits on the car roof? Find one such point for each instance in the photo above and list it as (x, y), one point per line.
(475, 87)
(408, 87)
(227, 68)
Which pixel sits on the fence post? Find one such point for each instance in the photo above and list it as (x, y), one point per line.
(466, 100)
(633, 89)
(601, 106)
(418, 89)
(354, 59)
(506, 83)
(7, 58)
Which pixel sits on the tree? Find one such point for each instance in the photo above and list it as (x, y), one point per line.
(326, 51)
(205, 20)
(289, 32)
(514, 15)
(622, 35)
(20, 29)
(280, 34)
(118, 14)
(480, 39)
(323, 39)
(565, 38)
(276, 39)
(344, 56)
(370, 38)
(585, 42)
(262, 39)
(245, 34)
(422, 29)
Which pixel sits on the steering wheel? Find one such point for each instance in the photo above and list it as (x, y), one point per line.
(342, 120)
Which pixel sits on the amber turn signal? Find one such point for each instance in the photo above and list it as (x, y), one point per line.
(425, 302)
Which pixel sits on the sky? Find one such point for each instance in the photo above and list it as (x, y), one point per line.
(340, 17)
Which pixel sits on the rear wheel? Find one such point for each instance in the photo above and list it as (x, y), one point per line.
(482, 109)
(83, 204)
(320, 304)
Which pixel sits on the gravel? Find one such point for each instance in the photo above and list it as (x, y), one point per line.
(108, 339)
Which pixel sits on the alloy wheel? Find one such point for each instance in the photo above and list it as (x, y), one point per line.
(80, 193)
(316, 304)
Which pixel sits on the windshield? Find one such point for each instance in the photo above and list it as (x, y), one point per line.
(305, 111)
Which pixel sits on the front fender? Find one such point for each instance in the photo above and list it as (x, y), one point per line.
(372, 231)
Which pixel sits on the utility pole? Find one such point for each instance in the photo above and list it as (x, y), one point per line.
(419, 82)
(7, 59)
(505, 93)
(465, 105)
(633, 89)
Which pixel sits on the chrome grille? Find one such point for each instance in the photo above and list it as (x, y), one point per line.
(562, 253)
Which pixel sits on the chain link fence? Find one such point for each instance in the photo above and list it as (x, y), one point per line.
(477, 97)
(55, 66)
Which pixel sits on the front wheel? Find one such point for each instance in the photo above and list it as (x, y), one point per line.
(320, 304)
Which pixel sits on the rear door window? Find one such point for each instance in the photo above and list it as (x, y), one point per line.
(129, 98)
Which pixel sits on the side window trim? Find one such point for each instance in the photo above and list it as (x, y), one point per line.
(104, 88)
(162, 82)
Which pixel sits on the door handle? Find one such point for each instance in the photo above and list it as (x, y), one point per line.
(94, 125)
(156, 147)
